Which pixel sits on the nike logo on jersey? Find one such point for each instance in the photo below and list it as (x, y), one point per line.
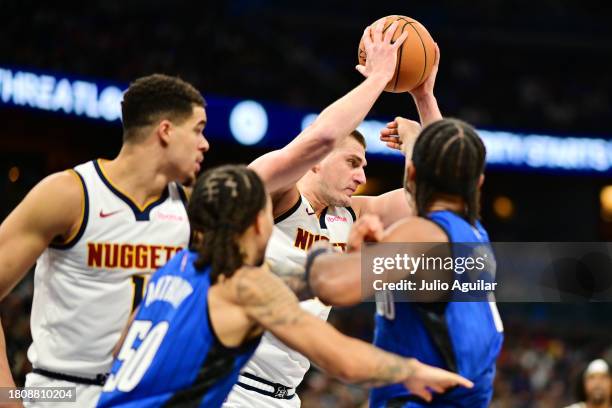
(104, 215)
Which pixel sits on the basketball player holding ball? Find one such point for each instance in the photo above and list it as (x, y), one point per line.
(311, 182)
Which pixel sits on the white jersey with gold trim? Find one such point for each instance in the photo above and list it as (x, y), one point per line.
(85, 289)
(294, 233)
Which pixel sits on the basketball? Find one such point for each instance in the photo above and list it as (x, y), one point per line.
(415, 57)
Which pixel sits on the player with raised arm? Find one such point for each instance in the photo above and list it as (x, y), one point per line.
(98, 231)
(444, 177)
(205, 311)
(312, 181)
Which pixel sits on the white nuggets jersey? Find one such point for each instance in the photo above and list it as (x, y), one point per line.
(85, 289)
(294, 233)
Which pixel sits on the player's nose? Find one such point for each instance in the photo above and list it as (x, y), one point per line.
(359, 176)
(204, 145)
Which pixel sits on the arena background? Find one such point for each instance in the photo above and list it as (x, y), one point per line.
(527, 67)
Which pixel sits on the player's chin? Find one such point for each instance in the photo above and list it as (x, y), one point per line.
(344, 200)
(189, 180)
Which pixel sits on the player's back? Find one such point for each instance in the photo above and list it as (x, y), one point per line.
(171, 355)
(464, 337)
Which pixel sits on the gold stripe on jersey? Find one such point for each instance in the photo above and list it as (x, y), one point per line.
(141, 208)
(74, 233)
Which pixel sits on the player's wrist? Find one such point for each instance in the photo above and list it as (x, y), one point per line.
(425, 97)
(380, 78)
(411, 368)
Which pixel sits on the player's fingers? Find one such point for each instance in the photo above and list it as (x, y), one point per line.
(400, 40)
(392, 124)
(378, 30)
(437, 59)
(464, 382)
(395, 146)
(367, 36)
(423, 393)
(362, 70)
(389, 132)
(437, 388)
(390, 31)
(390, 139)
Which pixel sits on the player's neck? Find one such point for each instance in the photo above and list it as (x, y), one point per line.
(316, 202)
(136, 172)
(446, 202)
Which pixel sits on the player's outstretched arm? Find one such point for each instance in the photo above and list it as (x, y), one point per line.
(281, 169)
(273, 306)
(336, 279)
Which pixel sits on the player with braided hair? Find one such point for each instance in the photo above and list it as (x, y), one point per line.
(444, 177)
(205, 311)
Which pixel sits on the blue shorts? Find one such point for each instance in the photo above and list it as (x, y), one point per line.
(478, 397)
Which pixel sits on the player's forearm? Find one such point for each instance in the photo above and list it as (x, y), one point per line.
(336, 279)
(429, 112)
(344, 115)
(357, 362)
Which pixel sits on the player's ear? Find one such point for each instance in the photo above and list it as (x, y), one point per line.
(410, 172)
(259, 222)
(481, 180)
(164, 129)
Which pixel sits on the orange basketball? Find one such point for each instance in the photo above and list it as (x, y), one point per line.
(415, 57)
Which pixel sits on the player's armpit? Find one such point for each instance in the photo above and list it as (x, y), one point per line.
(53, 209)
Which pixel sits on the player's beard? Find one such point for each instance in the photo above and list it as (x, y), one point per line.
(334, 200)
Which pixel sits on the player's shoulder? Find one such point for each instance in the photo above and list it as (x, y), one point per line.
(415, 229)
(251, 285)
(63, 188)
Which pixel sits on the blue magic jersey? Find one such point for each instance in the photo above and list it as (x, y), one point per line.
(464, 337)
(171, 356)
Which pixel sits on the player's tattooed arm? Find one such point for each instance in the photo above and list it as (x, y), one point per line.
(272, 305)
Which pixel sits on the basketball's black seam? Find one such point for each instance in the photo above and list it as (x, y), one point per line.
(399, 60)
(424, 52)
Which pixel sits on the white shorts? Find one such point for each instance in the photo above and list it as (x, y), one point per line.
(242, 398)
(86, 395)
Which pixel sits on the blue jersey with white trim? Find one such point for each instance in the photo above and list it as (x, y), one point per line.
(171, 355)
(465, 337)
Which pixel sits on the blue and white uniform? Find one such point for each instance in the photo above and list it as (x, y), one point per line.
(171, 355)
(465, 337)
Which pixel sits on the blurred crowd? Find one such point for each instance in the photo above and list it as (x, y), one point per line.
(519, 65)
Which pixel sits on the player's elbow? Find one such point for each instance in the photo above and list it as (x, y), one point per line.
(324, 136)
